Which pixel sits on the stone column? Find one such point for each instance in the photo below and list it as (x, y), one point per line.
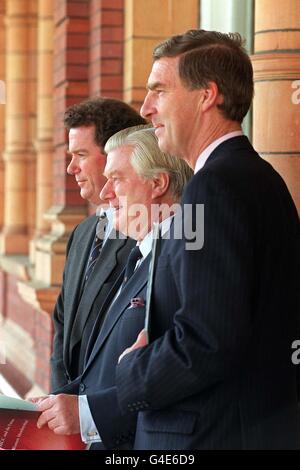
(147, 23)
(19, 126)
(231, 16)
(2, 107)
(32, 105)
(276, 62)
(44, 135)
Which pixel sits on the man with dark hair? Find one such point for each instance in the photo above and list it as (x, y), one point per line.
(217, 373)
(92, 265)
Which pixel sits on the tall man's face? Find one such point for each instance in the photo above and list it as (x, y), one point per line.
(128, 194)
(175, 111)
(87, 163)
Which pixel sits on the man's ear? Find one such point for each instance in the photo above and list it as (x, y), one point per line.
(160, 185)
(210, 96)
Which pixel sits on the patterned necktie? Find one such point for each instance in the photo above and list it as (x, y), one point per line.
(134, 256)
(97, 245)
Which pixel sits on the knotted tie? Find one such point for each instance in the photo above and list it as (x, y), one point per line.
(97, 244)
(134, 256)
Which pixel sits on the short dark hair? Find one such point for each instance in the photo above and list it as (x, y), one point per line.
(218, 57)
(108, 115)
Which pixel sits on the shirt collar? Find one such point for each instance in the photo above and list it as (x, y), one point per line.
(146, 244)
(208, 151)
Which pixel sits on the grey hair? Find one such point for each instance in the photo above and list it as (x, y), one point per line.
(148, 160)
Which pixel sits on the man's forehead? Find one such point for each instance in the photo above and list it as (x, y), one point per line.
(79, 130)
(118, 158)
(163, 71)
(81, 138)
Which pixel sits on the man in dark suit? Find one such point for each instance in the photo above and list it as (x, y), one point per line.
(218, 372)
(142, 181)
(89, 124)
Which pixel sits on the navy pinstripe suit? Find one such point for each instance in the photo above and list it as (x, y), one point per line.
(122, 323)
(218, 372)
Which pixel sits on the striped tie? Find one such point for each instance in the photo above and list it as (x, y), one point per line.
(97, 245)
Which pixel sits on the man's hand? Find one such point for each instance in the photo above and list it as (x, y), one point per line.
(37, 400)
(140, 343)
(61, 413)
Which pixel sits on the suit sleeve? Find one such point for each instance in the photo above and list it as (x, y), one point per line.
(58, 377)
(115, 428)
(210, 331)
(71, 388)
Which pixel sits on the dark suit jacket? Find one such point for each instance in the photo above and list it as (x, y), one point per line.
(218, 373)
(76, 309)
(121, 326)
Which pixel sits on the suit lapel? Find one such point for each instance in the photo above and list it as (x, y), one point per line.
(129, 291)
(105, 264)
(74, 287)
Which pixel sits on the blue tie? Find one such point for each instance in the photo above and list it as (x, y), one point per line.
(97, 245)
(134, 256)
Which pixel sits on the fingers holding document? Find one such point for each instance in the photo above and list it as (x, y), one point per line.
(61, 413)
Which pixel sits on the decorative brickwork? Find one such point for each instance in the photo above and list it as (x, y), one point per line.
(71, 59)
(106, 48)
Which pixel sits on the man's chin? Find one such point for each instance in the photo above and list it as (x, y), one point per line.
(94, 200)
(86, 196)
(163, 144)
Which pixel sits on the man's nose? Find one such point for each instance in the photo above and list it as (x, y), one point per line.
(147, 107)
(107, 192)
(73, 167)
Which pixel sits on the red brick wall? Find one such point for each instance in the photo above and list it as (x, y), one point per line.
(71, 57)
(106, 48)
(88, 61)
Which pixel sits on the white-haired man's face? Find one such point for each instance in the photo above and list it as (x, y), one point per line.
(128, 194)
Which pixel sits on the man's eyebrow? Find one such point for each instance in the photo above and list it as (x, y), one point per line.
(76, 151)
(110, 173)
(154, 85)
